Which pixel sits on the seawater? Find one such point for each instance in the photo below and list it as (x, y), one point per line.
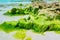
(15, 0)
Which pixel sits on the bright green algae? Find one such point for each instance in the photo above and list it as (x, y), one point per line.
(30, 10)
(21, 35)
(8, 26)
(37, 24)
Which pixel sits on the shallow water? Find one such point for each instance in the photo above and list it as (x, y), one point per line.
(34, 36)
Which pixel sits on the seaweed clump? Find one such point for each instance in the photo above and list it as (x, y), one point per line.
(37, 24)
(22, 11)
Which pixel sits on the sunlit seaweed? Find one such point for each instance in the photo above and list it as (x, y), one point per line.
(21, 34)
(38, 21)
(28, 38)
(22, 11)
(8, 26)
(38, 24)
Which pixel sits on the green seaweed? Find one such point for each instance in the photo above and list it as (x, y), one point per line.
(8, 26)
(21, 34)
(22, 11)
(38, 24)
(28, 38)
(57, 32)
